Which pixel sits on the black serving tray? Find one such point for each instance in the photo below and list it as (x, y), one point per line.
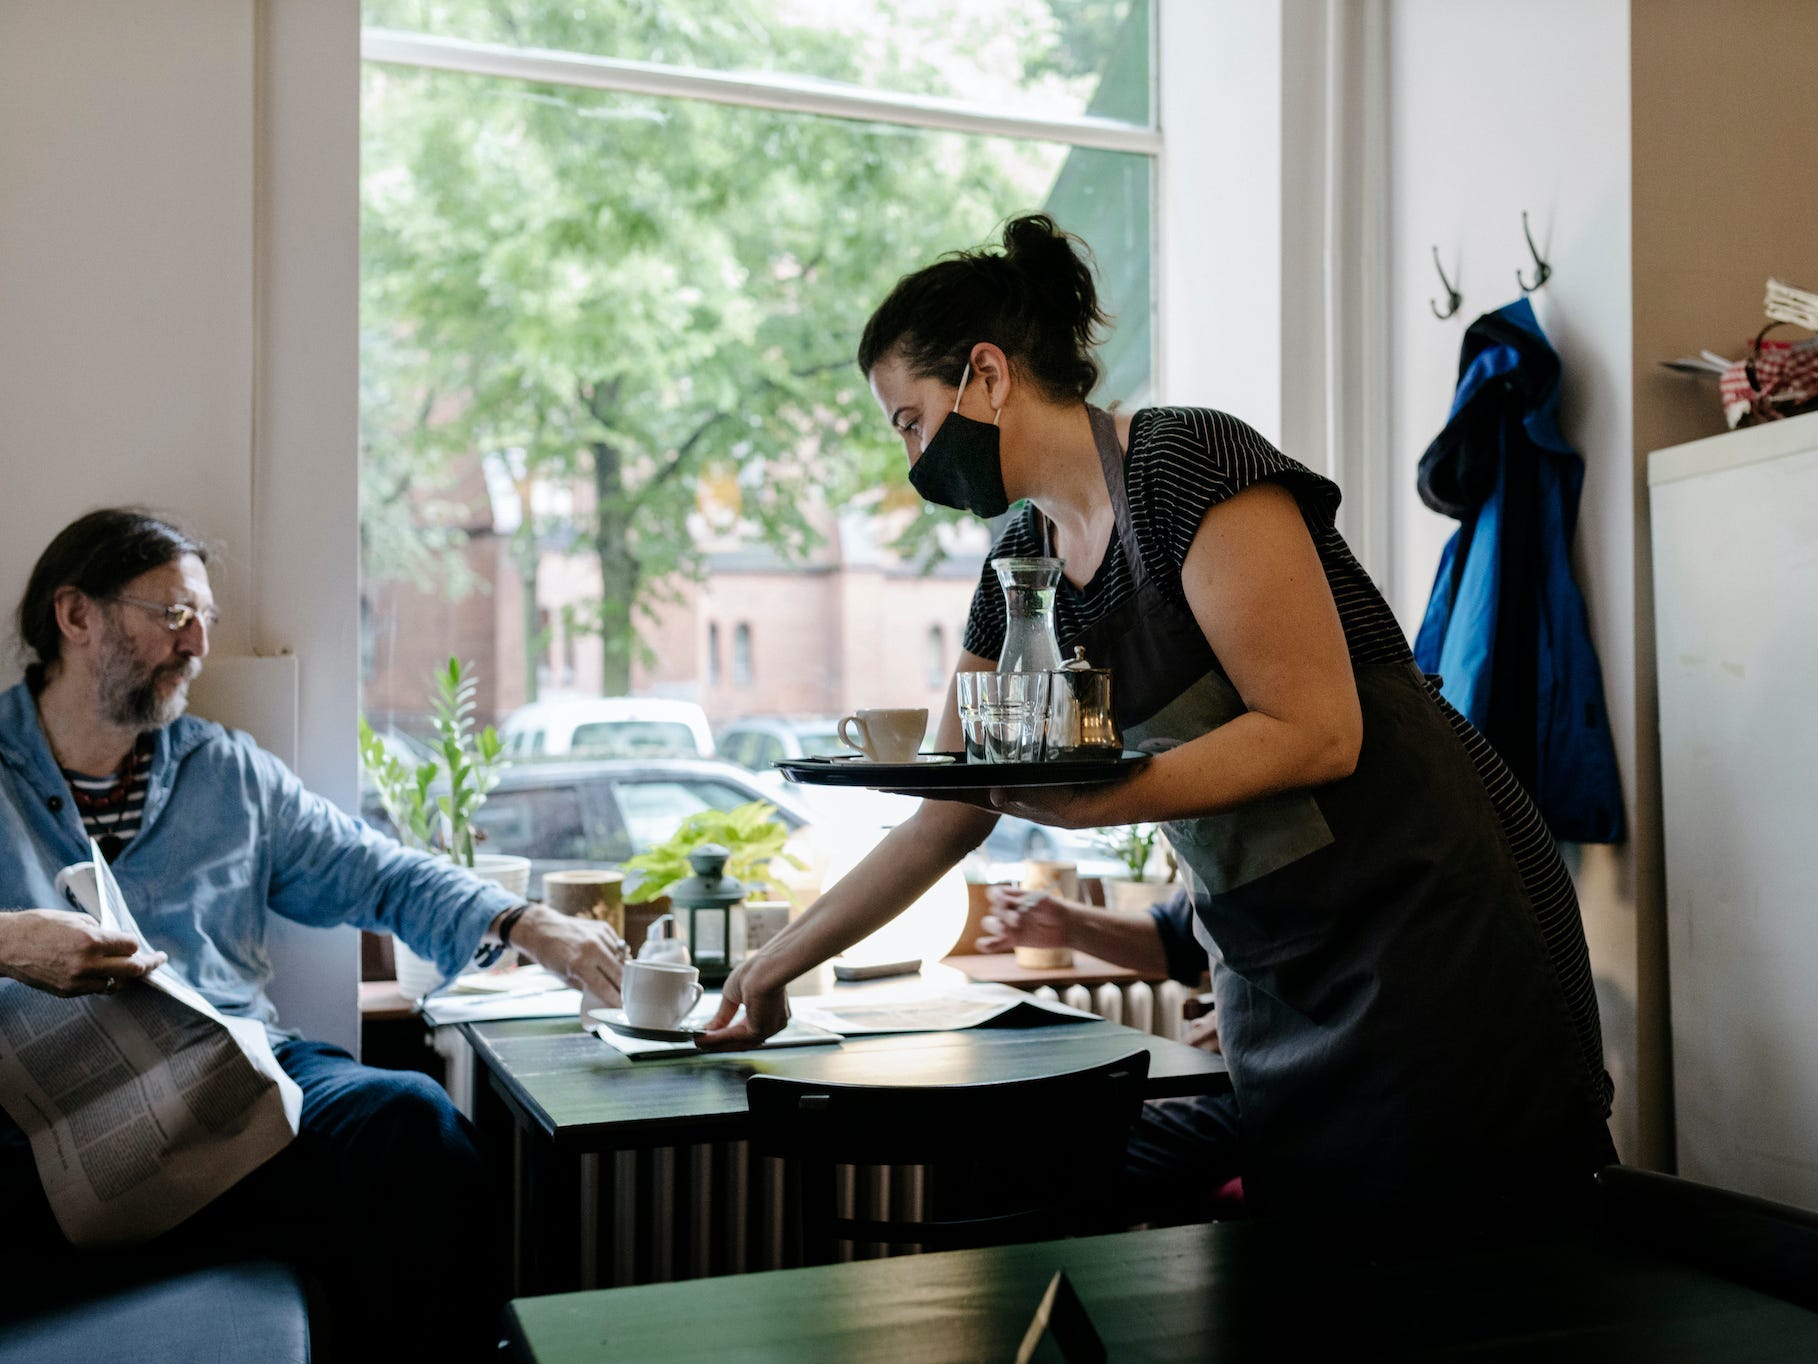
(959, 775)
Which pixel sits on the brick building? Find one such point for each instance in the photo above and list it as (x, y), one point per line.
(758, 635)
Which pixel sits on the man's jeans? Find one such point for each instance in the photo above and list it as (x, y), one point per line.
(382, 1200)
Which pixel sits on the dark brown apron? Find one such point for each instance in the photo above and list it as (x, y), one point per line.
(1395, 1033)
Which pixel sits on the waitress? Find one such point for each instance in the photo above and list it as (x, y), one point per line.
(1401, 978)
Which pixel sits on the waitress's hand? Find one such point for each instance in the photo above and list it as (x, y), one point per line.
(1062, 807)
(766, 1010)
(1026, 918)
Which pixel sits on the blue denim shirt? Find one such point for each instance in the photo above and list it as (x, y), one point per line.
(230, 837)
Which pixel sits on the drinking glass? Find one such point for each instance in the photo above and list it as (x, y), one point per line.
(971, 725)
(1013, 714)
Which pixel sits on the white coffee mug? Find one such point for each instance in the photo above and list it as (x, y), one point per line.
(886, 736)
(659, 994)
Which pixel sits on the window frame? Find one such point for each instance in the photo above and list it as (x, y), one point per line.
(763, 90)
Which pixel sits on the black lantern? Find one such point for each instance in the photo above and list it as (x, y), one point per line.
(703, 905)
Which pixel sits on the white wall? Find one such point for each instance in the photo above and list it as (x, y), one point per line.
(178, 327)
(1219, 218)
(1495, 109)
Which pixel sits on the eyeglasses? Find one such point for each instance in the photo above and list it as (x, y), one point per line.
(176, 615)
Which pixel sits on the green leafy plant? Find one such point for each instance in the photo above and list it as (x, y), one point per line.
(1134, 845)
(750, 832)
(432, 803)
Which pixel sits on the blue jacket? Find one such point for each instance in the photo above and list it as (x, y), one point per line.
(1506, 627)
(229, 837)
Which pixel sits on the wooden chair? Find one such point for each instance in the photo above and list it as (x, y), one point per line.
(1769, 1247)
(1020, 1160)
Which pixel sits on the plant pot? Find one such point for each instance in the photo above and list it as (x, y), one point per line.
(417, 976)
(1132, 895)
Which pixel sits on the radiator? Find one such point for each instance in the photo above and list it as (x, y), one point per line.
(672, 1213)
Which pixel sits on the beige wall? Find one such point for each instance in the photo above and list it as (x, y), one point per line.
(1723, 195)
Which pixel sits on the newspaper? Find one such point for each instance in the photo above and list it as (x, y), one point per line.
(141, 1106)
(489, 996)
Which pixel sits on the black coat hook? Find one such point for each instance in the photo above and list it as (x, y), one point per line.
(1542, 271)
(1453, 297)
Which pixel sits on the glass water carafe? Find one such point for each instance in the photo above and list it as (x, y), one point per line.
(1029, 642)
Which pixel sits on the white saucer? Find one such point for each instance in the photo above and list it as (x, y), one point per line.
(615, 1019)
(920, 759)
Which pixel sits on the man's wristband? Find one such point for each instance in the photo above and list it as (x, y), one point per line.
(489, 954)
(510, 921)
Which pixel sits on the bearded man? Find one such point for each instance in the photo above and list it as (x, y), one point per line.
(208, 836)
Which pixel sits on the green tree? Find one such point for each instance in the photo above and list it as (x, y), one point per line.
(625, 294)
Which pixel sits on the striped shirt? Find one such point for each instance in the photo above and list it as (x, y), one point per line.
(113, 807)
(1181, 463)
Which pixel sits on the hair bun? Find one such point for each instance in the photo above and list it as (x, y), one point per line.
(1055, 269)
(1035, 244)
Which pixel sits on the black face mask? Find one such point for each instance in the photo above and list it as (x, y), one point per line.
(962, 466)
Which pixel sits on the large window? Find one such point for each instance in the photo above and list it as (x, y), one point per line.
(615, 260)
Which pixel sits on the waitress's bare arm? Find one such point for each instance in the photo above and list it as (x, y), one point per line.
(911, 858)
(1254, 582)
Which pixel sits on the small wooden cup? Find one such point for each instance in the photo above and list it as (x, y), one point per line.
(638, 919)
(588, 893)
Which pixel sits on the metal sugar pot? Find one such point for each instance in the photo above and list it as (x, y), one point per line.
(1081, 721)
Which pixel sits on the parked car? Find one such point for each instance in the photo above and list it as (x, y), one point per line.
(761, 741)
(607, 727)
(563, 815)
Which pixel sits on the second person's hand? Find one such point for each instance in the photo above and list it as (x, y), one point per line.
(1026, 918)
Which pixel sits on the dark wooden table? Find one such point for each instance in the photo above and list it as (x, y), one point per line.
(556, 1101)
(1221, 1292)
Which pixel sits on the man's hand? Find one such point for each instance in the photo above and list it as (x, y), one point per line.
(584, 952)
(66, 953)
(1026, 918)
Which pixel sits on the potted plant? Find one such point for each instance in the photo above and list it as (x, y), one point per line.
(750, 832)
(1138, 846)
(432, 802)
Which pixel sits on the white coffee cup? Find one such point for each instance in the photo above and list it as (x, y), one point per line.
(886, 736)
(659, 994)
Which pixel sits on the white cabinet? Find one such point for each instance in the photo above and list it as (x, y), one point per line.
(1735, 545)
